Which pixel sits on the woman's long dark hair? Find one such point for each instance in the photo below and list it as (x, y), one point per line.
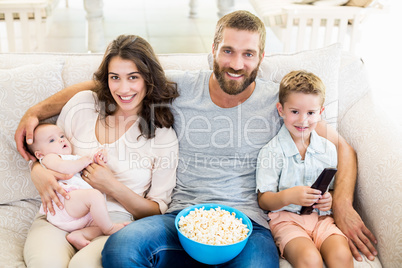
(155, 111)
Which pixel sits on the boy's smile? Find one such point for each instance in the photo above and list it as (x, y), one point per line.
(301, 112)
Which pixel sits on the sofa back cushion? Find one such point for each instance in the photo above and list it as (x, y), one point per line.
(20, 88)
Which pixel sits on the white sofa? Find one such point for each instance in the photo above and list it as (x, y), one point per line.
(25, 79)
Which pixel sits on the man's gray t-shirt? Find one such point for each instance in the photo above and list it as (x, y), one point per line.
(218, 147)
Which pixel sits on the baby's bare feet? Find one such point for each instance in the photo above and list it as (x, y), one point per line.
(116, 227)
(77, 239)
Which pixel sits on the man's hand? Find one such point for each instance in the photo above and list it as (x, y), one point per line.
(25, 130)
(360, 238)
(46, 183)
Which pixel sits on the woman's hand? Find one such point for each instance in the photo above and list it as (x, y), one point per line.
(302, 195)
(324, 203)
(45, 181)
(99, 176)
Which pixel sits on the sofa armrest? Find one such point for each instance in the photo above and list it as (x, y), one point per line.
(378, 200)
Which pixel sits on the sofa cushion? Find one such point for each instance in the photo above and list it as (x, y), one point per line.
(378, 188)
(15, 220)
(21, 88)
(324, 62)
(353, 84)
(80, 67)
(182, 61)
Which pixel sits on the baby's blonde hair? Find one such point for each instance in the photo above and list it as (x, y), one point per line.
(301, 82)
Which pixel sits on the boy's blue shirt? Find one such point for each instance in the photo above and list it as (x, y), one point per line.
(279, 164)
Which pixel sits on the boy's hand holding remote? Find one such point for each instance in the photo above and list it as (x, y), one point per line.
(301, 195)
(324, 203)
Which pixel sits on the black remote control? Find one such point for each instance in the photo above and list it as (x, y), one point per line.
(321, 184)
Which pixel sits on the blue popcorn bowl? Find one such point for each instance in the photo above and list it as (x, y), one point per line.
(212, 254)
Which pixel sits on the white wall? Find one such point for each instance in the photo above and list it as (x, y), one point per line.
(381, 50)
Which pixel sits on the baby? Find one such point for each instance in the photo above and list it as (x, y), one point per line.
(85, 216)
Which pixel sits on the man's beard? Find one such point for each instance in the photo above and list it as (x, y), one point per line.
(232, 87)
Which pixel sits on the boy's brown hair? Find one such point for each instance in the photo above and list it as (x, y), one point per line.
(301, 82)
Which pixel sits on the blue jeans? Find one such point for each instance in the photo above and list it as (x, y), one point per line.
(153, 242)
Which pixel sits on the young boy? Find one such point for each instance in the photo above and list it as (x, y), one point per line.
(287, 166)
(85, 215)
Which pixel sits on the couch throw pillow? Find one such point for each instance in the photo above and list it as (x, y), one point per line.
(20, 88)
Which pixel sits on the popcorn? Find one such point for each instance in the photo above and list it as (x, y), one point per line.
(213, 227)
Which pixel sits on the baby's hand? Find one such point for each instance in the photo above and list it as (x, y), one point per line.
(324, 203)
(100, 156)
(87, 160)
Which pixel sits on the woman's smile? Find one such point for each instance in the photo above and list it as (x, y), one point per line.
(126, 98)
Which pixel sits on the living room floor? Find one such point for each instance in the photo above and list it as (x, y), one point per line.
(168, 28)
